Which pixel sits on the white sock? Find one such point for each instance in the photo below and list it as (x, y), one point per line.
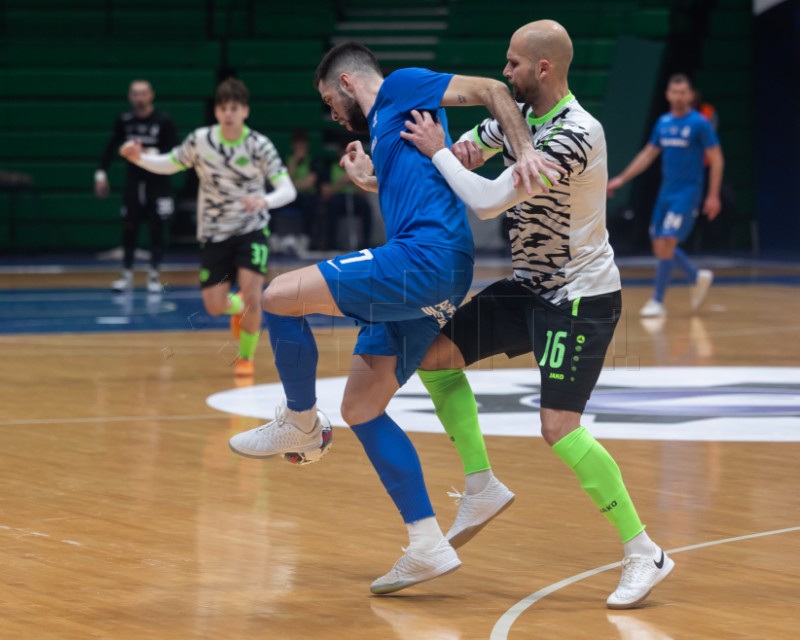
(304, 420)
(640, 545)
(424, 534)
(478, 481)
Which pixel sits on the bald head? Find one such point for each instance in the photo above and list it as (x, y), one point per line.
(545, 40)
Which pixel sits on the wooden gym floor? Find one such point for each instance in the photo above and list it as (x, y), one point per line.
(124, 515)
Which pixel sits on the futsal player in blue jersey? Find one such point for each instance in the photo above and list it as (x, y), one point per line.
(401, 293)
(684, 138)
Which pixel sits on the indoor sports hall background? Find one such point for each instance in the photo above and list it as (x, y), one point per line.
(122, 512)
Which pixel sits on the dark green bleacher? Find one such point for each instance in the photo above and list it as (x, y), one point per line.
(726, 80)
(64, 75)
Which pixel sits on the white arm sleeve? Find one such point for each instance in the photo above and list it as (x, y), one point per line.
(487, 198)
(284, 193)
(163, 163)
(470, 136)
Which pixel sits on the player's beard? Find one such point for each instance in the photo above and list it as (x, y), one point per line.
(527, 95)
(353, 116)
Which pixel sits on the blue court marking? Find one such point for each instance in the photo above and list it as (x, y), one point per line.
(181, 308)
(95, 310)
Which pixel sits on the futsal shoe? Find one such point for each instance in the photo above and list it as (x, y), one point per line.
(477, 510)
(278, 436)
(700, 288)
(244, 368)
(154, 283)
(123, 283)
(653, 309)
(418, 566)
(640, 574)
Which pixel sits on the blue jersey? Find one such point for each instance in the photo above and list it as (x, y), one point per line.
(416, 202)
(683, 142)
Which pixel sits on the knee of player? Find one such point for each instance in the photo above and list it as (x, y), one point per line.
(350, 412)
(557, 423)
(269, 300)
(356, 411)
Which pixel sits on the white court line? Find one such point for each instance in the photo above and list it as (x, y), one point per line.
(503, 626)
(205, 416)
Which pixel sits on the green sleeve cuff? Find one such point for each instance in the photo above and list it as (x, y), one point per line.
(177, 162)
(480, 142)
(279, 175)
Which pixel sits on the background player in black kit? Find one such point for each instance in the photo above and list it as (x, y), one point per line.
(147, 196)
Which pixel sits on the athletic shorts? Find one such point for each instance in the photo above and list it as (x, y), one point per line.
(402, 295)
(674, 214)
(569, 340)
(219, 261)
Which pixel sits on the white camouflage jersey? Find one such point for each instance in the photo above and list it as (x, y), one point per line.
(227, 171)
(559, 241)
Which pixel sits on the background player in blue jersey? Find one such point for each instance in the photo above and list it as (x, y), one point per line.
(684, 137)
(401, 292)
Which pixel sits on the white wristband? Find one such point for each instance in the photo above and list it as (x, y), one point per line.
(100, 176)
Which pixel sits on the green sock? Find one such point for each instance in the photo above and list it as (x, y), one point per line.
(601, 479)
(247, 344)
(235, 304)
(457, 410)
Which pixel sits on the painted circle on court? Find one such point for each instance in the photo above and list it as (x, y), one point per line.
(737, 404)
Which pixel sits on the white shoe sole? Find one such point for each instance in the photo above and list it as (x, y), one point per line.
(252, 455)
(462, 537)
(669, 565)
(434, 573)
(259, 456)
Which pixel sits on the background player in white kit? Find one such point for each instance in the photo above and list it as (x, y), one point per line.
(562, 303)
(233, 163)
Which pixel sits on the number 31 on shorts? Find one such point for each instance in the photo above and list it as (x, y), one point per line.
(259, 259)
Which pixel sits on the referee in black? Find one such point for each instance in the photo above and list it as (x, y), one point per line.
(147, 196)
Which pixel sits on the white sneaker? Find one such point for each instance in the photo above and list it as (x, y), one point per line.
(700, 288)
(418, 566)
(153, 283)
(653, 309)
(276, 437)
(639, 575)
(477, 510)
(125, 281)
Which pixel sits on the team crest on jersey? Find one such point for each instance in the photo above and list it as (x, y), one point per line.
(686, 131)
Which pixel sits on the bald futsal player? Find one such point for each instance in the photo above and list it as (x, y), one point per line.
(562, 302)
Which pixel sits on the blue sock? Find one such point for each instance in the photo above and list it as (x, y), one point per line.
(295, 358)
(393, 455)
(684, 263)
(663, 272)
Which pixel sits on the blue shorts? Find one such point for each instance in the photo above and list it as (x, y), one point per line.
(674, 214)
(402, 295)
